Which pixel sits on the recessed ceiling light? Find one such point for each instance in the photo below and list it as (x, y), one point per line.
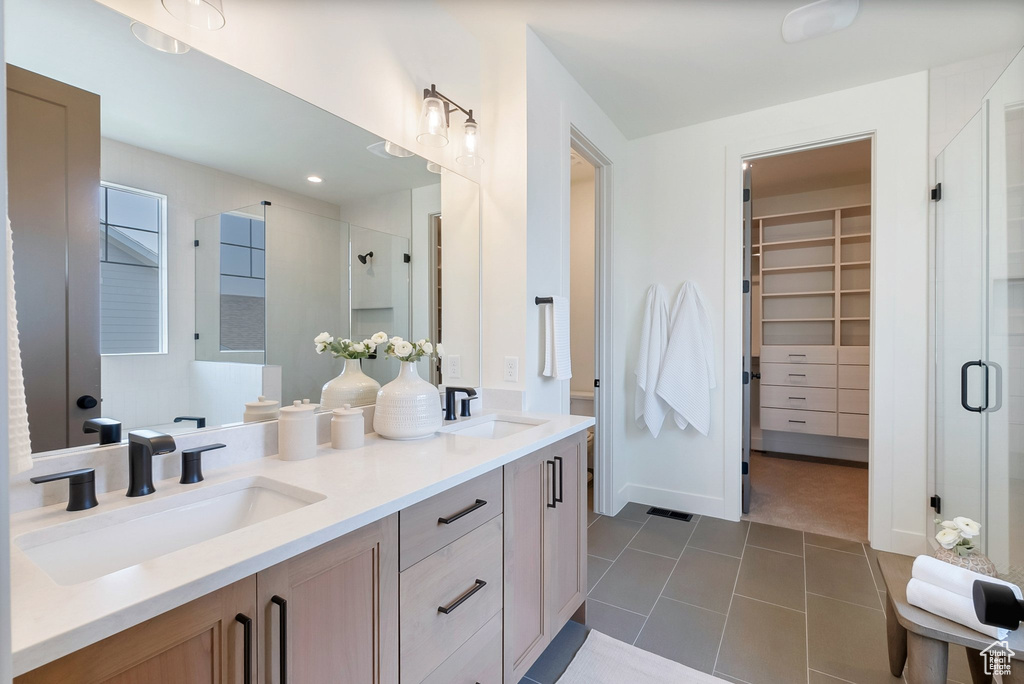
(818, 19)
(315, 179)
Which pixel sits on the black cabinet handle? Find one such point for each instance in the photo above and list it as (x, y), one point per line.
(561, 479)
(963, 386)
(798, 375)
(799, 398)
(283, 605)
(554, 501)
(798, 421)
(480, 584)
(480, 503)
(247, 650)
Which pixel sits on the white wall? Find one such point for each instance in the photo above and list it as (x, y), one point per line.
(683, 215)
(581, 275)
(5, 569)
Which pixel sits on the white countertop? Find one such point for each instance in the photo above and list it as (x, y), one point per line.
(360, 486)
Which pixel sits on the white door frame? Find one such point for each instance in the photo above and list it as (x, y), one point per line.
(604, 476)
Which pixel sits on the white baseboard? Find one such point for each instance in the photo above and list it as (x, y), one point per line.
(677, 501)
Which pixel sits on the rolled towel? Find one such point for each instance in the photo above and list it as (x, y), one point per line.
(950, 606)
(959, 581)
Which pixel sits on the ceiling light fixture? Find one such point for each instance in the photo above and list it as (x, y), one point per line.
(203, 14)
(158, 40)
(314, 179)
(434, 167)
(435, 117)
(396, 150)
(818, 19)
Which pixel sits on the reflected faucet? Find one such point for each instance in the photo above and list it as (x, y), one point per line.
(200, 421)
(143, 445)
(109, 429)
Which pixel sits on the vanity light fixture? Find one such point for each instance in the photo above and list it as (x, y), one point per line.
(434, 167)
(314, 179)
(435, 117)
(818, 19)
(203, 14)
(158, 40)
(396, 150)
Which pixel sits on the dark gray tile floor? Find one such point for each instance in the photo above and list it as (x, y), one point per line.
(748, 602)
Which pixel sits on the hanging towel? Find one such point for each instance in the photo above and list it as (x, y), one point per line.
(688, 371)
(649, 410)
(956, 580)
(19, 448)
(950, 606)
(557, 363)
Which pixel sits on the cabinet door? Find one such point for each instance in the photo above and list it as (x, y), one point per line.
(332, 613)
(565, 533)
(528, 492)
(201, 642)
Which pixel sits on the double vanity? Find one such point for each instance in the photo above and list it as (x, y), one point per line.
(451, 559)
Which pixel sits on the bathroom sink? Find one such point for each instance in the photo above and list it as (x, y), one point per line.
(493, 426)
(98, 545)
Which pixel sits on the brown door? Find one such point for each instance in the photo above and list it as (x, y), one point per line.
(53, 162)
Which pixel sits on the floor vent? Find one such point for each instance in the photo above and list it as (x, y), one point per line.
(666, 513)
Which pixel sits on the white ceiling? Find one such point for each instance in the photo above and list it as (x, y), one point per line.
(833, 166)
(656, 65)
(197, 108)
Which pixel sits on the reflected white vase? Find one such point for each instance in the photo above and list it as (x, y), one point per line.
(408, 407)
(352, 387)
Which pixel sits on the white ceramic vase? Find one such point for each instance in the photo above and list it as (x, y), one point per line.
(352, 387)
(408, 407)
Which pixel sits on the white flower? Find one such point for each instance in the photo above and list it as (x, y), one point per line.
(346, 341)
(402, 348)
(949, 524)
(396, 339)
(947, 537)
(440, 349)
(359, 347)
(321, 341)
(379, 338)
(427, 347)
(369, 345)
(967, 527)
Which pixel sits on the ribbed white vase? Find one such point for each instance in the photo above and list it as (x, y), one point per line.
(352, 387)
(408, 407)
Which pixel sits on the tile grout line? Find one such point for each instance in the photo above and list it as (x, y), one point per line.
(610, 564)
(692, 605)
(732, 597)
(807, 611)
(612, 605)
(765, 548)
(849, 603)
(620, 552)
(717, 553)
(810, 670)
(871, 572)
(651, 553)
(848, 553)
(672, 572)
(769, 603)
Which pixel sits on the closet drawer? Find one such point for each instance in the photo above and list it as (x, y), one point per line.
(467, 572)
(807, 422)
(808, 398)
(853, 425)
(478, 661)
(798, 375)
(420, 530)
(853, 401)
(855, 356)
(854, 377)
(789, 354)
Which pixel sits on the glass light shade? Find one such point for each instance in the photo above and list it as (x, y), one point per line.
(158, 40)
(204, 14)
(433, 123)
(396, 150)
(470, 153)
(434, 167)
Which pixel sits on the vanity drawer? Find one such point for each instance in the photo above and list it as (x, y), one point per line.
(853, 425)
(807, 422)
(465, 578)
(420, 530)
(807, 398)
(853, 401)
(798, 375)
(790, 354)
(854, 377)
(478, 661)
(855, 356)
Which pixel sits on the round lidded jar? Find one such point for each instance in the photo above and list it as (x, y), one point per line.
(261, 409)
(296, 431)
(347, 427)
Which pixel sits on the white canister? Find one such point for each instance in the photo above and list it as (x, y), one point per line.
(261, 409)
(296, 432)
(347, 428)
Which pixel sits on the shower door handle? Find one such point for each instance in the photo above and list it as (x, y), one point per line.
(964, 369)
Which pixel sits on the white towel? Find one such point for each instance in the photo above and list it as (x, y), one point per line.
(688, 370)
(19, 446)
(649, 410)
(956, 580)
(951, 606)
(557, 363)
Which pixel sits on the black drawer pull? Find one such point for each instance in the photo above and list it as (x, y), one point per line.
(798, 375)
(247, 650)
(480, 584)
(561, 479)
(799, 398)
(480, 503)
(798, 421)
(283, 605)
(804, 355)
(554, 499)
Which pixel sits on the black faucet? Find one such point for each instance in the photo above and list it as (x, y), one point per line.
(192, 463)
(449, 401)
(81, 487)
(143, 445)
(109, 429)
(199, 420)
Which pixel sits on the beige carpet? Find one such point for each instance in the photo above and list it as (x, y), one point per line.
(813, 497)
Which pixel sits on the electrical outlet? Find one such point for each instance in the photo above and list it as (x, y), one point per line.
(454, 366)
(511, 369)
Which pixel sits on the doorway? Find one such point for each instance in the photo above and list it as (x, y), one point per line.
(807, 329)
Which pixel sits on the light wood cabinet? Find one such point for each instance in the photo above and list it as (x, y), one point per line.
(565, 534)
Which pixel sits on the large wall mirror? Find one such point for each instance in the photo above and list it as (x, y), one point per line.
(183, 230)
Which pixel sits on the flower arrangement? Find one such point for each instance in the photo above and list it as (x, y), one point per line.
(957, 534)
(346, 348)
(412, 351)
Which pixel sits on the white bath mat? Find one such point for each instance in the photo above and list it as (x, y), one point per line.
(603, 660)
